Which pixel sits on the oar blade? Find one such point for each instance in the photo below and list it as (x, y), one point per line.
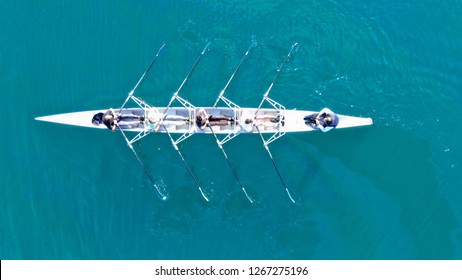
(220, 145)
(162, 195)
(142, 77)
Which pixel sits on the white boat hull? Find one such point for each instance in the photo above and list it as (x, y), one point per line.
(293, 120)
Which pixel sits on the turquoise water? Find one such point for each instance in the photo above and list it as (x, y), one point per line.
(389, 191)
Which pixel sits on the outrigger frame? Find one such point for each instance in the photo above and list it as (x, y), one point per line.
(191, 130)
(280, 109)
(233, 106)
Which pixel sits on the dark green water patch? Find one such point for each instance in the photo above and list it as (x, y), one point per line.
(398, 164)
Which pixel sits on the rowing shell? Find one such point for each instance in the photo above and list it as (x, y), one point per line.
(188, 120)
(184, 120)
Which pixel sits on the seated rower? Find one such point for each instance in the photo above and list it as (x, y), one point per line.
(203, 120)
(325, 120)
(112, 120)
(129, 121)
(264, 120)
(156, 120)
(219, 120)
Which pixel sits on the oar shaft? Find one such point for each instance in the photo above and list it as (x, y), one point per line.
(280, 177)
(274, 164)
(231, 78)
(184, 81)
(282, 66)
(164, 197)
(186, 164)
(149, 67)
(276, 77)
(194, 66)
(142, 77)
(230, 165)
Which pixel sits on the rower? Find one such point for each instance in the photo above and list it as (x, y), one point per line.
(156, 122)
(110, 119)
(203, 120)
(129, 121)
(97, 119)
(262, 120)
(220, 120)
(113, 120)
(325, 120)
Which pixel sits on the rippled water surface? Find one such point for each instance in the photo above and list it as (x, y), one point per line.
(389, 191)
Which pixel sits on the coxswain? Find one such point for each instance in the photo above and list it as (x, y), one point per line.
(326, 120)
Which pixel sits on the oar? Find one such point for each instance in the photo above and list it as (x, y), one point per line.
(163, 196)
(265, 97)
(275, 166)
(213, 132)
(231, 78)
(185, 79)
(230, 165)
(275, 78)
(175, 96)
(185, 163)
(142, 78)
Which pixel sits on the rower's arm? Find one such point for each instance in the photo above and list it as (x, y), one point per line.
(157, 126)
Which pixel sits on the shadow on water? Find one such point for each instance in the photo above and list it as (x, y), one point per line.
(186, 228)
(398, 164)
(381, 203)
